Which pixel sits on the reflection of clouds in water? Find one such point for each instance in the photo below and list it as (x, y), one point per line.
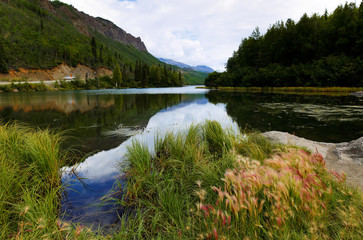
(172, 90)
(102, 166)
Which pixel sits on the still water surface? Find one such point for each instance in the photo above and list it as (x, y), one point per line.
(103, 123)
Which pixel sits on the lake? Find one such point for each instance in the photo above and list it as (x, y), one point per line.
(103, 123)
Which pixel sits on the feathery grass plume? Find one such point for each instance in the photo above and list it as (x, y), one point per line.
(289, 194)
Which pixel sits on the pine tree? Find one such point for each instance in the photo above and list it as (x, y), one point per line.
(94, 47)
(3, 65)
(117, 76)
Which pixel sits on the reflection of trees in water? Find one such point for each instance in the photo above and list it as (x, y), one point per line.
(87, 116)
(281, 112)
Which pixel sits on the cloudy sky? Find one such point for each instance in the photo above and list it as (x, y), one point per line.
(198, 32)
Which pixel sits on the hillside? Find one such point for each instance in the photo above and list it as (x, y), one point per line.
(316, 51)
(39, 34)
(192, 77)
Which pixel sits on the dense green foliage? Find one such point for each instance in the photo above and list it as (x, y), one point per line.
(194, 77)
(34, 38)
(117, 76)
(208, 183)
(3, 65)
(316, 51)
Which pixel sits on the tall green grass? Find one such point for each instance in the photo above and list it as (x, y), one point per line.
(208, 183)
(30, 188)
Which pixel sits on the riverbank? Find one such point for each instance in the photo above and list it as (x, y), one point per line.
(346, 157)
(211, 184)
(205, 183)
(333, 91)
(63, 85)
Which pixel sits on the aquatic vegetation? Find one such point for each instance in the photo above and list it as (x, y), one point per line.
(210, 184)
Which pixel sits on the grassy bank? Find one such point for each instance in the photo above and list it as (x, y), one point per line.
(338, 91)
(24, 86)
(30, 185)
(205, 183)
(208, 183)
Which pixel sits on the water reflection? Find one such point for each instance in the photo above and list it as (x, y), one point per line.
(99, 169)
(319, 118)
(96, 121)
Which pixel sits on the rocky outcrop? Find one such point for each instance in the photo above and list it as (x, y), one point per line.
(344, 157)
(58, 73)
(85, 24)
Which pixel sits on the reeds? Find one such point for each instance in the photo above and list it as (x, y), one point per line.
(211, 184)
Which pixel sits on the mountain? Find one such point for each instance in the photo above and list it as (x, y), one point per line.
(47, 40)
(42, 34)
(200, 68)
(85, 24)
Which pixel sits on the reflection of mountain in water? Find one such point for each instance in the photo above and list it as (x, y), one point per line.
(87, 115)
(66, 107)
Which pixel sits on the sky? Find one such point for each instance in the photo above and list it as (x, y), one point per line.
(199, 32)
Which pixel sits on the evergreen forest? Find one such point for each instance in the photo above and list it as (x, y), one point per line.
(316, 51)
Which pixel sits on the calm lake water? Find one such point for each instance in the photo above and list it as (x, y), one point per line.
(103, 123)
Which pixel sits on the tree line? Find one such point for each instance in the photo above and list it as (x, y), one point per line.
(143, 75)
(316, 51)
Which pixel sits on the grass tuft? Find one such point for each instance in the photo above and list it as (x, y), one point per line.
(30, 188)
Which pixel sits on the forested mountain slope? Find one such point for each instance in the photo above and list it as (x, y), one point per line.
(317, 51)
(44, 34)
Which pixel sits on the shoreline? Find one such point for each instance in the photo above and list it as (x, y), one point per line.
(332, 91)
(345, 157)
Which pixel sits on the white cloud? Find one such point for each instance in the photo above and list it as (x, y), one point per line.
(198, 31)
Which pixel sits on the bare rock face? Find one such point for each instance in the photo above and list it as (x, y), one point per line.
(85, 24)
(344, 157)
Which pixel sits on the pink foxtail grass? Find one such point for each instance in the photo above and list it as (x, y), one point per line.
(290, 196)
(205, 184)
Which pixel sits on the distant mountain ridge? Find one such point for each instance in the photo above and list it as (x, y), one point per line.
(199, 68)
